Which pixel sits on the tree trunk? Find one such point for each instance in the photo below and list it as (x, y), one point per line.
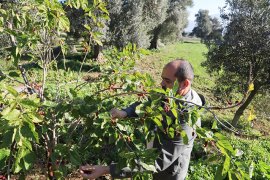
(241, 109)
(96, 51)
(154, 41)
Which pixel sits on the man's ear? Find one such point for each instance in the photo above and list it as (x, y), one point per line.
(186, 83)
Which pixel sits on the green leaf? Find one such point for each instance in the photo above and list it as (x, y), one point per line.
(4, 153)
(75, 157)
(17, 165)
(28, 103)
(158, 123)
(194, 117)
(12, 91)
(251, 169)
(222, 150)
(26, 143)
(14, 74)
(226, 165)
(121, 127)
(6, 111)
(218, 175)
(63, 23)
(159, 90)
(28, 159)
(28, 131)
(73, 92)
(175, 114)
(214, 125)
(148, 167)
(16, 51)
(223, 141)
(58, 174)
(169, 120)
(184, 136)
(175, 88)
(13, 116)
(140, 110)
(171, 132)
(36, 118)
(98, 41)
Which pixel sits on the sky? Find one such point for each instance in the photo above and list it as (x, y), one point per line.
(211, 5)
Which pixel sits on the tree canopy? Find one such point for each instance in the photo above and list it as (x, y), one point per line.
(242, 58)
(140, 22)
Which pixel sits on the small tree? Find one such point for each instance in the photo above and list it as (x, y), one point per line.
(34, 28)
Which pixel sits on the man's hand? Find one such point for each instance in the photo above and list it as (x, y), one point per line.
(93, 172)
(116, 113)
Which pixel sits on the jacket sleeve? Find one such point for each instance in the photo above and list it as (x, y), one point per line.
(122, 173)
(131, 110)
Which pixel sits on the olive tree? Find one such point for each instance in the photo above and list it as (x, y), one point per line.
(242, 58)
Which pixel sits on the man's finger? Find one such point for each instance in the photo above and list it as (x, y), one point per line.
(89, 176)
(87, 168)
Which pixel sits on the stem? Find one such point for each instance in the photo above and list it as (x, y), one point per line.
(10, 158)
(86, 53)
(44, 75)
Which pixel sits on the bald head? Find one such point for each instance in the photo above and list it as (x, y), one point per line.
(182, 69)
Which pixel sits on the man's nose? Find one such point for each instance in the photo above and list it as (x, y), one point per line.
(162, 83)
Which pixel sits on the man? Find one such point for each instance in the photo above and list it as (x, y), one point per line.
(173, 161)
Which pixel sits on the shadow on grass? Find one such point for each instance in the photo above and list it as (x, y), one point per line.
(31, 65)
(192, 42)
(75, 65)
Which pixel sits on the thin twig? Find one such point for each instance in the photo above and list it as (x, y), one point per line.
(7, 76)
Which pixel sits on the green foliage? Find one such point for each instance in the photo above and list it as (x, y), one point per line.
(19, 119)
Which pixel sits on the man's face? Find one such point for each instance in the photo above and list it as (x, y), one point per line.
(168, 77)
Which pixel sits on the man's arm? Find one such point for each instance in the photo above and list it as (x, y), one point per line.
(93, 172)
(116, 113)
(128, 112)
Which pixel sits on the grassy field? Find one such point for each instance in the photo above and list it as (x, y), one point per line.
(191, 51)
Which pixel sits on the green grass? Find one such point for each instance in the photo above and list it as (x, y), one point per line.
(193, 51)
